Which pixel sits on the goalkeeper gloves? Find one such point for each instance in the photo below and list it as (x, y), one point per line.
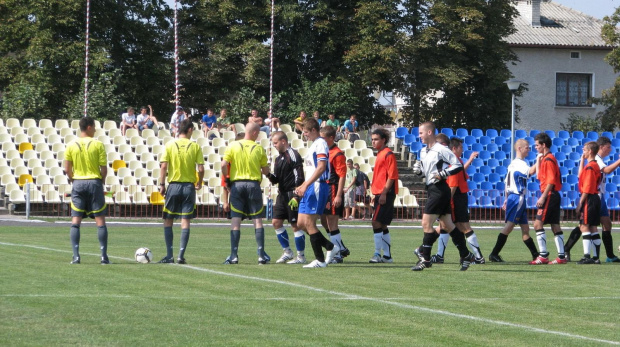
(443, 174)
(417, 168)
(293, 204)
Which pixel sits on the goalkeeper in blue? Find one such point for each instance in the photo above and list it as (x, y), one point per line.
(288, 174)
(516, 210)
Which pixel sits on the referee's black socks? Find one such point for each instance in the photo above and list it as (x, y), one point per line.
(458, 238)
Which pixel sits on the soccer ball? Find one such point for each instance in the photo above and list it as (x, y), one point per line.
(144, 255)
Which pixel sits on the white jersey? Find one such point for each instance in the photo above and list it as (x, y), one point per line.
(436, 159)
(129, 119)
(142, 119)
(601, 164)
(318, 151)
(516, 178)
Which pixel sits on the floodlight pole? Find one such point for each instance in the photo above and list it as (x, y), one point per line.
(513, 85)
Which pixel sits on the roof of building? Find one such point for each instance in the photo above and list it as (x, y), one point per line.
(560, 27)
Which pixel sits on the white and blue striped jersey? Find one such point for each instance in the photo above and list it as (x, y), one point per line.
(318, 151)
(516, 178)
(601, 164)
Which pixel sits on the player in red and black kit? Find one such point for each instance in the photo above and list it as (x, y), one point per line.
(335, 202)
(288, 174)
(548, 204)
(589, 206)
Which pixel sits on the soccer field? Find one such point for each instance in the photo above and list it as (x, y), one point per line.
(46, 301)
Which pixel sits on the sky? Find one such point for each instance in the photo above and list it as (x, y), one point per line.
(595, 8)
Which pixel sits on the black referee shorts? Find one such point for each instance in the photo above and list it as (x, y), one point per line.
(281, 209)
(460, 208)
(438, 201)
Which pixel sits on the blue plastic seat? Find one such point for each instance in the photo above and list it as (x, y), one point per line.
(500, 140)
(533, 186)
(477, 147)
(607, 134)
(484, 140)
(560, 157)
(615, 179)
(416, 147)
(506, 147)
(491, 133)
(505, 133)
(493, 163)
(563, 171)
(593, 135)
(469, 140)
(491, 147)
(447, 131)
(553, 149)
(566, 149)
(613, 204)
(471, 201)
(484, 155)
(477, 133)
(534, 132)
(500, 170)
(573, 142)
(574, 156)
(506, 162)
(467, 153)
(500, 155)
(500, 186)
(493, 193)
(569, 164)
(477, 162)
(520, 134)
(617, 135)
(477, 193)
(485, 170)
(566, 204)
(610, 187)
(408, 139)
(472, 185)
(401, 132)
(551, 133)
(563, 134)
(471, 170)
(558, 141)
(530, 140)
(578, 134)
(486, 185)
(485, 201)
(499, 201)
(494, 178)
(615, 143)
(572, 179)
(531, 156)
(531, 202)
(461, 132)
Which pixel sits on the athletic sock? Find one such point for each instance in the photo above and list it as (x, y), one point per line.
(596, 241)
(542, 243)
(529, 243)
(259, 234)
(235, 236)
(378, 237)
(282, 236)
(102, 235)
(328, 245)
(443, 242)
(386, 244)
(609, 244)
(316, 243)
(587, 243)
(427, 245)
(499, 244)
(300, 242)
(336, 238)
(74, 235)
(458, 238)
(168, 235)
(574, 236)
(472, 240)
(184, 241)
(559, 244)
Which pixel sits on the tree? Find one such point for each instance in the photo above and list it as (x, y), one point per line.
(610, 117)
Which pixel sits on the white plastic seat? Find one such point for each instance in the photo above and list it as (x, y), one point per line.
(146, 181)
(12, 122)
(140, 198)
(42, 147)
(152, 141)
(75, 124)
(30, 154)
(140, 172)
(54, 171)
(60, 179)
(37, 138)
(54, 139)
(49, 131)
(148, 133)
(52, 197)
(114, 132)
(124, 148)
(109, 124)
(66, 131)
(147, 158)
(17, 197)
(122, 197)
(123, 172)
(129, 156)
(69, 138)
(43, 179)
(129, 133)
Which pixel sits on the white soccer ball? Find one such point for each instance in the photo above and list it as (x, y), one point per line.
(144, 255)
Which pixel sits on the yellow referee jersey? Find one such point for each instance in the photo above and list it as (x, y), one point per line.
(246, 159)
(87, 155)
(182, 156)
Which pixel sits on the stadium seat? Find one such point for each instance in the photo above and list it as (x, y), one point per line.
(531, 202)
(613, 204)
(500, 140)
(477, 162)
(286, 128)
(563, 134)
(484, 155)
(551, 133)
(564, 172)
(574, 156)
(484, 140)
(117, 164)
(24, 178)
(560, 157)
(592, 135)
(607, 134)
(472, 185)
(506, 133)
(530, 140)
(344, 144)
(485, 170)
(558, 141)
(492, 147)
(520, 134)
(477, 147)
(500, 186)
(477, 133)
(461, 132)
(578, 135)
(500, 155)
(534, 132)
(485, 201)
(477, 193)
(447, 131)
(566, 204)
(500, 170)
(469, 140)
(610, 187)
(533, 186)
(416, 147)
(499, 201)
(471, 201)
(401, 132)
(25, 146)
(471, 170)
(492, 133)
(572, 179)
(17, 197)
(494, 178)
(494, 193)
(494, 163)
(506, 147)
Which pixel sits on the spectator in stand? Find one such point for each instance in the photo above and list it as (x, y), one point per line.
(209, 122)
(147, 121)
(350, 126)
(128, 120)
(223, 122)
(255, 118)
(362, 200)
(318, 118)
(299, 122)
(333, 122)
(177, 117)
(272, 122)
(349, 191)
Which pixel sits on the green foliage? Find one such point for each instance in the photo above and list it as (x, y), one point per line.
(610, 117)
(103, 102)
(239, 106)
(582, 123)
(23, 100)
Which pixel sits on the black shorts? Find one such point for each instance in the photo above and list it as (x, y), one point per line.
(87, 199)
(439, 199)
(550, 212)
(460, 208)
(281, 209)
(330, 208)
(590, 213)
(180, 201)
(246, 200)
(384, 213)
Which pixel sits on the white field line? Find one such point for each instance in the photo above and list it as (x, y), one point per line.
(357, 297)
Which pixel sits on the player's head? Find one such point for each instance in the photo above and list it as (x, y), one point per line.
(251, 131)
(379, 138)
(302, 114)
(279, 140)
(456, 145)
(443, 139)
(426, 132)
(186, 126)
(311, 128)
(543, 141)
(143, 109)
(87, 126)
(210, 112)
(329, 134)
(590, 149)
(522, 148)
(331, 116)
(315, 114)
(350, 163)
(604, 146)
(353, 118)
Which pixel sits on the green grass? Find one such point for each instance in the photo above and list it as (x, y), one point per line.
(46, 301)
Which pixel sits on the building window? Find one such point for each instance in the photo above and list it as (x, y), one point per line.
(575, 55)
(573, 89)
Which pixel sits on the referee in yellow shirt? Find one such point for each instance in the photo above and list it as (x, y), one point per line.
(247, 160)
(180, 160)
(86, 164)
